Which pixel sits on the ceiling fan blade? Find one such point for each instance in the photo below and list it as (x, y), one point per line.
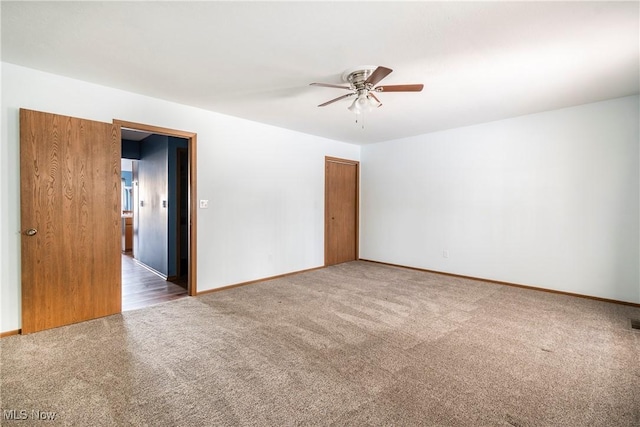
(329, 85)
(376, 98)
(399, 88)
(379, 74)
(336, 99)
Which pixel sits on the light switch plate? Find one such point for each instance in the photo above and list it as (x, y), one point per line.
(204, 204)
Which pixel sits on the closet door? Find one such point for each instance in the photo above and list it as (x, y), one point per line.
(341, 211)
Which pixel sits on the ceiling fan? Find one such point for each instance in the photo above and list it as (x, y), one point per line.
(362, 84)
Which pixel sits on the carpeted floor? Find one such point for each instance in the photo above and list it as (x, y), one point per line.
(353, 344)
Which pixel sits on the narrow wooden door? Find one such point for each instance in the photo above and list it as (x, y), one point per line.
(70, 219)
(341, 211)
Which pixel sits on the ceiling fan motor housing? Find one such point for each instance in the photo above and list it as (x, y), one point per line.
(358, 76)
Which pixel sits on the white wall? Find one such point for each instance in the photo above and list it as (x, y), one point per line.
(265, 185)
(548, 200)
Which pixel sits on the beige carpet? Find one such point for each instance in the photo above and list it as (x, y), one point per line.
(354, 344)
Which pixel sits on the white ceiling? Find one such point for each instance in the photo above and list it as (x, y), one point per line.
(478, 61)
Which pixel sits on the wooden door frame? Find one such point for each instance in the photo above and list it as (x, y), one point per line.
(192, 287)
(355, 163)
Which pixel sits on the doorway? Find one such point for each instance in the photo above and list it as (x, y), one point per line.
(176, 277)
(155, 183)
(341, 210)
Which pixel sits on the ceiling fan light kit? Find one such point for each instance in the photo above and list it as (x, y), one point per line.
(362, 84)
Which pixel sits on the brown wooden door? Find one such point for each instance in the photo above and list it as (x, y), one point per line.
(341, 211)
(70, 219)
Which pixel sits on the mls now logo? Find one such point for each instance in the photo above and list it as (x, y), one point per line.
(23, 414)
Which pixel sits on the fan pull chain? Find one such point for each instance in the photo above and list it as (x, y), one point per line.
(361, 117)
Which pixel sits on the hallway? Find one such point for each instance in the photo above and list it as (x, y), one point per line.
(142, 288)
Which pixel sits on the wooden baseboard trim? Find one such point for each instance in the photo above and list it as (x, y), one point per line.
(516, 285)
(250, 282)
(9, 333)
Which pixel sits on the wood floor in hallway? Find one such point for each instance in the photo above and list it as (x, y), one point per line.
(142, 288)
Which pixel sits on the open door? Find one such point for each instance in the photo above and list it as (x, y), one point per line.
(70, 219)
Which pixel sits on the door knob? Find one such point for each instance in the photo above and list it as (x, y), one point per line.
(31, 232)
